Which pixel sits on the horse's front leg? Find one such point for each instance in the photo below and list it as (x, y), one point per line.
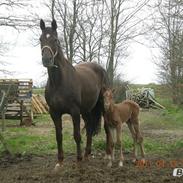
(77, 136)
(58, 128)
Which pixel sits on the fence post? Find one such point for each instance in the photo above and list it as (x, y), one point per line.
(21, 112)
(3, 119)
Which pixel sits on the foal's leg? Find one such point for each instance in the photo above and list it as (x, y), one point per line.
(133, 133)
(139, 138)
(119, 143)
(77, 136)
(58, 128)
(110, 155)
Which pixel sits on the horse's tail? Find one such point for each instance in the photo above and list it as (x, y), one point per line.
(98, 111)
(94, 127)
(96, 116)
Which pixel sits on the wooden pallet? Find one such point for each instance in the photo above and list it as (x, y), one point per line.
(19, 103)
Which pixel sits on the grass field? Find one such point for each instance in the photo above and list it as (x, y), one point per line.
(156, 125)
(162, 130)
(29, 140)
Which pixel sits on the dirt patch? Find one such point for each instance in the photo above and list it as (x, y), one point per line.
(32, 168)
(166, 136)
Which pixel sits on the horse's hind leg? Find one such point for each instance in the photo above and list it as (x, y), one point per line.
(77, 136)
(87, 120)
(58, 128)
(139, 137)
(133, 133)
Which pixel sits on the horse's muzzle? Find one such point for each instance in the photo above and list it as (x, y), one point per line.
(47, 62)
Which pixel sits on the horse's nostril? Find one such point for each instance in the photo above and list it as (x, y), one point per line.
(46, 61)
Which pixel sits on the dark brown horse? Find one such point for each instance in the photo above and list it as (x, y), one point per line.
(72, 90)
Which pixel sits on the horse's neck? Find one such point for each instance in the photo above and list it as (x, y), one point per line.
(57, 74)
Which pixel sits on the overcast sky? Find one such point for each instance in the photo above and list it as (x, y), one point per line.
(25, 59)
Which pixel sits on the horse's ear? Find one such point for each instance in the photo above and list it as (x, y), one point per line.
(42, 24)
(54, 25)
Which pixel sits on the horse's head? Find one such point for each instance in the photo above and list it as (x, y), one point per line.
(49, 43)
(108, 98)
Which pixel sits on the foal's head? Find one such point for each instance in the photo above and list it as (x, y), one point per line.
(108, 98)
(49, 43)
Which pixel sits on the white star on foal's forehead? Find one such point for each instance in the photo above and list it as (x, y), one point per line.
(47, 36)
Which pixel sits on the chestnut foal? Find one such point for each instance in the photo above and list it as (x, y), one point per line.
(117, 114)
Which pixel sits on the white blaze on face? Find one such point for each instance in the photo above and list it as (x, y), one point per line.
(47, 36)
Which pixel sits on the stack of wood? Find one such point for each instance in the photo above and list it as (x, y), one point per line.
(145, 97)
(39, 104)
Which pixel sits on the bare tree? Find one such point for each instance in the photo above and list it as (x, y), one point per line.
(90, 31)
(98, 31)
(124, 27)
(67, 13)
(10, 17)
(168, 26)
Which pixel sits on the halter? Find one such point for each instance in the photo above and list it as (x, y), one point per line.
(52, 53)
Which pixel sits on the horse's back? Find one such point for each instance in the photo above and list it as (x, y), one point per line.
(92, 78)
(91, 69)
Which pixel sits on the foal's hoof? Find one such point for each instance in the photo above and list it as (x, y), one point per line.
(143, 161)
(134, 161)
(58, 167)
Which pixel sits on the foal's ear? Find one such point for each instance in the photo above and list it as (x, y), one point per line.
(113, 90)
(42, 24)
(54, 25)
(104, 89)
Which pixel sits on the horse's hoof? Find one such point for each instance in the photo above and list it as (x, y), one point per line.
(109, 165)
(120, 164)
(86, 158)
(58, 167)
(106, 156)
(79, 158)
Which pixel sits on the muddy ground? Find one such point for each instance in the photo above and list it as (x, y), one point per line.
(29, 169)
(33, 168)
